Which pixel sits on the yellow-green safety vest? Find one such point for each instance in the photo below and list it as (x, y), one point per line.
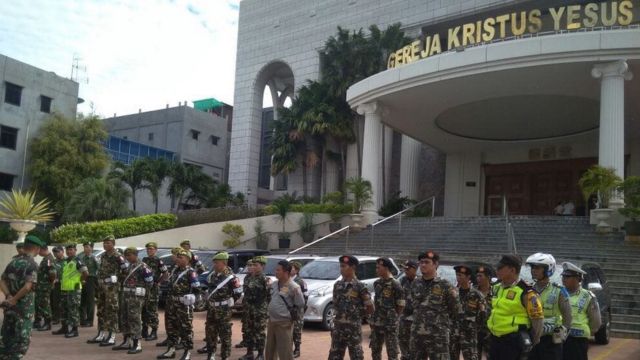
(71, 277)
(507, 312)
(549, 298)
(579, 318)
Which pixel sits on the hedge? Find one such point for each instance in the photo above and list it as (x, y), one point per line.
(95, 231)
(327, 208)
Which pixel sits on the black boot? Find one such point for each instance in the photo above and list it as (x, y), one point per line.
(63, 330)
(260, 356)
(204, 349)
(136, 348)
(46, 326)
(169, 354)
(211, 356)
(124, 345)
(163, 343)
(145, 331)
(186, 355)
(241, 344)
(153, 335)
(248, 355)
(296, 351)
(97, 339)
(109, 339)
(73, 332)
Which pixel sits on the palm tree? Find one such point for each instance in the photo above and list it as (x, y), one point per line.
(156, 170)
(132, 175)
(97, 199)
(187, 182)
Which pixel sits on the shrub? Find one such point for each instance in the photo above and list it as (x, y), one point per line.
(262, 242)
(326, 208)
(235, 232)
(394, 205)
(95, 231)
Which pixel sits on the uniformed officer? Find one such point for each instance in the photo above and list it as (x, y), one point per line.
(410, 268)
(183, 283)
(256, 300)
(19, 250)
(585, 313)
(484, 275)
(242, 343)
(46, 277)
(351, 300)
(557, 310)
(516, 315)
(388, 305)
(150, 307)
(16, 283)
(195, 262)
(73, 274)
(224, 288)
(435, 307)
(56, 301)
(465, 334)
(137, 281)
(299, 324)
(88, 299)
(168, 299)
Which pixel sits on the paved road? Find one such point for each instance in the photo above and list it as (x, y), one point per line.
(316, 344)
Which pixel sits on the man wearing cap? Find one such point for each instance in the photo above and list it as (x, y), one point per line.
(483, 280)
(242, 343)
(406, 319)
(56, 301)
(517, 316)
(16, 283)
(88, 299)
(179, 311)
(19, 250)
(224, 288)
(137, 281)
(435, 307)
(195, 263)
(46, 277)
(150, 307)
(557, 310)
(585, 313)
(111, 270)
(388, 305)
(464, 338)
(256, 300)
(168, 299)
(299, 324)
(73, 273)
(351, 300)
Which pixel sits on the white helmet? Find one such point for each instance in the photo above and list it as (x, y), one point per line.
(545, 260)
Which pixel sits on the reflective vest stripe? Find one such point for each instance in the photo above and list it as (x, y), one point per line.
(549, 298)
(580, 320)
(507, 313)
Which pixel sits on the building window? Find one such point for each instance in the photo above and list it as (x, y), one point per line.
(6, 182)
(45, 104)
(150, 136)
(13, 94)
(195, 134)
(214, 140)
(8, 137)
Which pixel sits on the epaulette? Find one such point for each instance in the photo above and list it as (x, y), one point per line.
(525, 286)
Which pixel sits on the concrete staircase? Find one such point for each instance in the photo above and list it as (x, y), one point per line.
(484, 239)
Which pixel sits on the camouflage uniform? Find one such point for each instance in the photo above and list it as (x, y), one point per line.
(18, 320)
(43, 288)
(219, 311)
(71, 298)
(139, 275)
(56, 300)
(349, 300)
(179, 317)
(245, 314)
(484, 335)
(112, 264)
(435, 305)
(465, 337)
(299, 324)
(88, 299)
(256, 299)
(406, 320)
(384, 327)
(150, 309)
(196, 264)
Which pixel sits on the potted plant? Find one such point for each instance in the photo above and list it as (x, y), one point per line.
(361, 191)
(281, 206)
(262, 241)
(631, 188)
(22, 212)
(234, 233)
(601, 182)
(307, 231)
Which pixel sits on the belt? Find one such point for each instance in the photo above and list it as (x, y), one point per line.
(221, 303)
(129, 290)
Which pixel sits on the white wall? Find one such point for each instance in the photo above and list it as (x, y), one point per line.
(460, 199)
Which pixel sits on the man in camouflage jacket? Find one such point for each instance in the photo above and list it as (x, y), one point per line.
(46, 277)
(256, 300)
(389, 303)
(150, 308)
(464, 336)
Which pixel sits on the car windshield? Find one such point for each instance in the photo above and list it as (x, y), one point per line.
(321, 270)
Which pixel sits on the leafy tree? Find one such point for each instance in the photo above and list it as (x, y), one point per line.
(98, 199)
(133, 175)
(154, 173)
(185, 181)
(65, 152)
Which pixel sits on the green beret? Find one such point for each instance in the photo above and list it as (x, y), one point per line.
(109, 238)
(70, 246)
(151, 245)
(32, 239)
(185, 242)
(296, 264)
(176, 250)
(87, 243)
(131, 250)
(260, 259)
(222, 255)
(183, 252)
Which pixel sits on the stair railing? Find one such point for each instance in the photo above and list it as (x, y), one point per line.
(511, 236)
(399, 215)
(344, 229)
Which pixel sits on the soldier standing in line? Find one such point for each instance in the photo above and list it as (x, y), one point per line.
(112, 267)
(73, 273)
(16, 283)
(150, 308)
(46, 277)
(224, 289)
(256, 300)
(243, 343)
(351, 300)
(299, 324)
(585, 313)
(556, 307)
(179, 311)
(406, 318)
(435, 307)
(465, 338)
(56, 301)
(168, 325)
(137, 281)
(195, 262)
(88, 299)
(388, 305)
(19, 250)
(483, 279)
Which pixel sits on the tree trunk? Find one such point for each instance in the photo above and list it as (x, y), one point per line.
(155, 201)
(133, 198)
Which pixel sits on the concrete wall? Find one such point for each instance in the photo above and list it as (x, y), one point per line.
(463, 185)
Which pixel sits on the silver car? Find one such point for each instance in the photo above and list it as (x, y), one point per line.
(320, 276)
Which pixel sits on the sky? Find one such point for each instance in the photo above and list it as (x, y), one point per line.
(138, 54)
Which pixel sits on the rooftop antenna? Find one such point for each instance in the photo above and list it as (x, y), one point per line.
(78, 71)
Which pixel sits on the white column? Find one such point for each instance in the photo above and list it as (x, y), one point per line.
(388, 145)
(409, 166)
(372, 155)
(611, 148)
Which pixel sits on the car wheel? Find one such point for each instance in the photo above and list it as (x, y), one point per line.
(604, 334)
(328, 316)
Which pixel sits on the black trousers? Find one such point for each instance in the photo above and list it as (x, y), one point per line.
(575, 348)
(546, 350)
(506, 347)
(88, 300)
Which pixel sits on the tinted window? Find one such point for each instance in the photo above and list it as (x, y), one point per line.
(45, 104)
(366, 270)
(12, 94)
(321, 270)
(8, 137)
(6, 181)
(206, 258)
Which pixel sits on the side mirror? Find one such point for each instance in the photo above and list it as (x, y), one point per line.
(594, 286)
